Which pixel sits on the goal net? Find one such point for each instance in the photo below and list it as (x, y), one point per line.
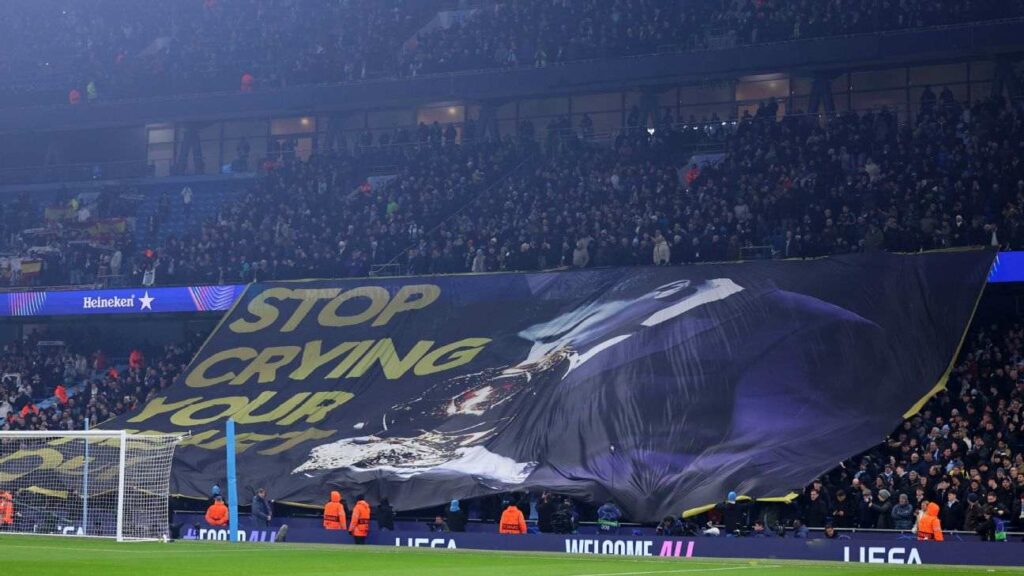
(105, 483)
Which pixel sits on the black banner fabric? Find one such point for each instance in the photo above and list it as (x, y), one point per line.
(659, 388)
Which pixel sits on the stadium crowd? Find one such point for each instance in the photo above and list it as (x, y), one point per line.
(49, 385)
(796, 187)
(299, 223)
(964, 451)
(541, 32)
(789, 188)
(121, 49)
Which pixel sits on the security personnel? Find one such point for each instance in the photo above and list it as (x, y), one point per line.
(217, 513)
(6, 510)
(928, 526)
(360, 526)
(512, 521)
(334, 513)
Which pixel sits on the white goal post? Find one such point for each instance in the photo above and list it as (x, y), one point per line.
(103, 483)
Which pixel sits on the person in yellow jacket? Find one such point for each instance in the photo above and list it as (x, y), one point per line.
(928, 526)
(334, 513)
(360, 526)
(217, 513)
(512, 521)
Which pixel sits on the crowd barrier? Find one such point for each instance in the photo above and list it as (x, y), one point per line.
(860, 547)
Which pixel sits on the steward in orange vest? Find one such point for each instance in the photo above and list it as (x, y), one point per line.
(360, 525)
(512, 521)
(928, 526)
(6, 509)
(217, 513)
(334, 513)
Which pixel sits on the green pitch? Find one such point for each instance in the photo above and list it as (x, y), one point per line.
(41, 556)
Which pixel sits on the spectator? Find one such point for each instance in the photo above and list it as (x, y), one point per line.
(799, 530)
(136, 360)
(816, 510)
(882, 509)
(386, 516)
(903, 514)
(669, 526)
(608, 517)
(866, 515)
(479, 262)
(439, 525)
(759, 531)
(261, 512)
(186, 201)
(456, 517)
(844, 513)
(995, 515)
(580, 256)
(1018, 511)
(952, 513)
(974, 515)
(563, 520)
(546, 509)
(734, 514)
(661, 250)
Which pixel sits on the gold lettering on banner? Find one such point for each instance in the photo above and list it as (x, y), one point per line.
(266, 364)
(344, 360)
(264, 310)
(197, 377)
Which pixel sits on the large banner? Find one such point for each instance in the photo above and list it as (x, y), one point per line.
(659, 388)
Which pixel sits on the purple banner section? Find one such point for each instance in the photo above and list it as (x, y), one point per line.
(869, 548)
(139, 301)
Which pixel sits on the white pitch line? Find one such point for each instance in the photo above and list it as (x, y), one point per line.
(680, 571)
(127, 549)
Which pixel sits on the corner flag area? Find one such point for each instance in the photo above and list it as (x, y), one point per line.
(81, 556)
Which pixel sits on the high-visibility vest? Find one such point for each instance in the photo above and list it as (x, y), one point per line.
(334, 516)
(6, 509)
(360, 519)
(512, 521)
(217, 514)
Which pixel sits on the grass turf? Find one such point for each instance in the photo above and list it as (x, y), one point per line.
(45, 556)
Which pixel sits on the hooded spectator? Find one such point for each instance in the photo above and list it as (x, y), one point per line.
(456, 517)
